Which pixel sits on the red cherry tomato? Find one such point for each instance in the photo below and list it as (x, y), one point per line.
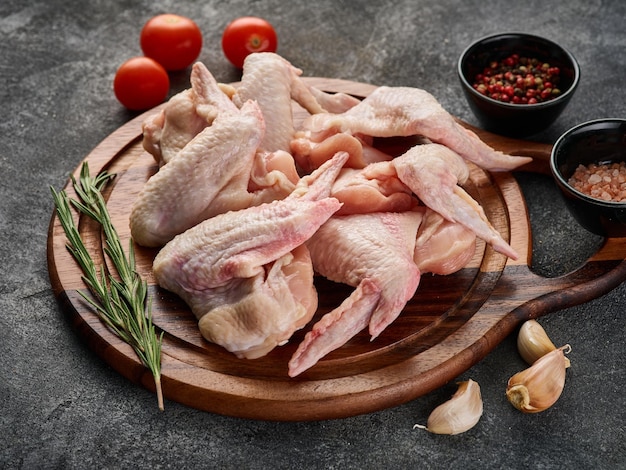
(172, 40)
(141, 83)
(246, 35)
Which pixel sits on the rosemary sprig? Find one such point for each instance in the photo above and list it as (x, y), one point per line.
(121, 303)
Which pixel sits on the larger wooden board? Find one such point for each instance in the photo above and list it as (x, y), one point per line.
(451, 323)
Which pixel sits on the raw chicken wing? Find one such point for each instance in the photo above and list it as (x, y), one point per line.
(185, 115)
(405, 111)
(246, 275)
(374, 254)
(433, 172)
(208, 176)
(273, 82)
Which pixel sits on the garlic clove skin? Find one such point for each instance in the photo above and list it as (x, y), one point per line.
(537, 388)
(533, 342)
(459, 414)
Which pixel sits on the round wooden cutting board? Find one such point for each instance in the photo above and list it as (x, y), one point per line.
(451, 323)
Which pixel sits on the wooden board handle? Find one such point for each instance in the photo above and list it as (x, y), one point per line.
(601, 272)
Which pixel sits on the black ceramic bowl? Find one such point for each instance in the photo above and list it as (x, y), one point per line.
(516, 120)
(599, 141)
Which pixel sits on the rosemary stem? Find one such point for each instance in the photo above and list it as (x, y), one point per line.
(122, 304)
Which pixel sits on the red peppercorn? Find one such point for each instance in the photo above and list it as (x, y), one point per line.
(519, 80)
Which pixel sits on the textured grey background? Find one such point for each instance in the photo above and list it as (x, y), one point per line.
(63, 407)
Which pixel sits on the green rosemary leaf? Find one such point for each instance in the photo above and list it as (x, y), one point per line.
(121, 303)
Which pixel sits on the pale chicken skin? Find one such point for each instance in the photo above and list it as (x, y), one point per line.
(273, 176)
(260, 312)
(208, 176)
(246, 275)
(442, 247)
(382, 255)
(274, 83)
(375, 188)
(434, 172)
(267, 78)
(185, 115)
(373, 253)
(310, 154)
(405, 111)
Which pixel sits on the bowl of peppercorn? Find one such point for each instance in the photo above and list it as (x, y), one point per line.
(588, 163)
(517, 84)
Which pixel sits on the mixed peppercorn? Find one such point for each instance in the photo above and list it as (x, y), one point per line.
(519, 80)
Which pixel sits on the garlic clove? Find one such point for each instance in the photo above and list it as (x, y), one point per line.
(537, 388)
(459, 413)
(533, 342)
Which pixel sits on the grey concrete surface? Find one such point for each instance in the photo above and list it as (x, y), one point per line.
(62, 407)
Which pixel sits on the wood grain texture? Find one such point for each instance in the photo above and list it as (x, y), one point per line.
(451, 323)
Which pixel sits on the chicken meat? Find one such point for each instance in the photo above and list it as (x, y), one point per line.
(247, 275)
(185, 115)
(375, 188)
(442, 247)
(434, 172)
(310, 154)
(406, 111)
(208, 176)
(249, 205)
(275, 83)
(372, 253)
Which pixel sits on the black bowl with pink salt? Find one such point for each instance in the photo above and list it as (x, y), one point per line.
(588, 163)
